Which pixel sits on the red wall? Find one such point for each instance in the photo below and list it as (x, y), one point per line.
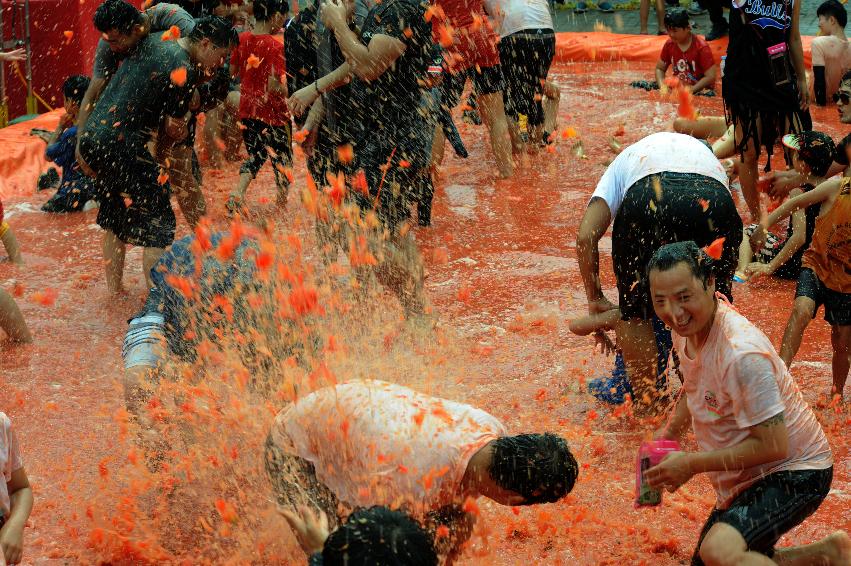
(55, 57)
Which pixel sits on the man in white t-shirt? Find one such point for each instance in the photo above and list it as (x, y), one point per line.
(664, 188)
(759, 442)
(365, 443)
(527, 47)
(831, 52)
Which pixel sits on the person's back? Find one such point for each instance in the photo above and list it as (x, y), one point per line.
(831, 54)
(374, 442)
(829, 254)
(519, 15)
(258, 57)
(151, 83)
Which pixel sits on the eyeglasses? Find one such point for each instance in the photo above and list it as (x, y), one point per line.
(843, 96)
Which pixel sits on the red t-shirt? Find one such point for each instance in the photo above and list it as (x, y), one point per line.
(691, 65)
(473, 39)
(256, 58)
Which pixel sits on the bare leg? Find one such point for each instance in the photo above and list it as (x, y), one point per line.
(401, 271)
(518, 146)
(660, 14)
(702, 128)
(10, 242)
(150, 256)
(552, 97)
(493, 115)
(638, 345)
(241, 187)
(114, 251)
(803, 310)
(833, 550)
(11, 320)
(186, 190)
(229, 129)
(725, 146)
(748, 176)
(725, 546)
(437, 146)
(643, 14)
(745, 256)
(840, 337)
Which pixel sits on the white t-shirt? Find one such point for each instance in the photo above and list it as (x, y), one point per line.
(737, 381)
(664, 151)
(10, 461)
(377, 443)
(517, 15)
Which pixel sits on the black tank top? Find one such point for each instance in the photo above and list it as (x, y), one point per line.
(757, 26)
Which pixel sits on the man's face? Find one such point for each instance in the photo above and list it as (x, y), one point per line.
(680, 300)
(210, 57)
(121, 42)
(680, 35)
(843, 104)
(824, 25)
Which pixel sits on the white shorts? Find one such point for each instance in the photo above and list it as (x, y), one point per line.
(144, 343)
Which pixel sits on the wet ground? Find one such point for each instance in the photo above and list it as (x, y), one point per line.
(503, 277)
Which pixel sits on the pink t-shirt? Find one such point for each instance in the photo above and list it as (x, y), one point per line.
(377, 443)
(10, 461)
(737, 381)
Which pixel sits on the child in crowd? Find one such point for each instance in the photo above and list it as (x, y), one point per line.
(259, 63)
(16, 496)
(812, 155)
(11, 320)
(831, 52)
(75, 189)
(688, 54)
(825, 268)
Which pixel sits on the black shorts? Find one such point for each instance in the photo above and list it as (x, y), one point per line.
(837, 306)
(526, 57)
(485, 81)
(646, 222)
(133, 204)
(263, 142)
(770, 508)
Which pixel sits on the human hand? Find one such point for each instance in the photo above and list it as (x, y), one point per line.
(310, 530)
(302, 99)
(780, 183)
(66, 121)
(663, 89)
(12, 542)
(600, 305)
(758, 237)
(333, 13)
(602, 340)
(670, 473)
(17, 55)
(803, 93)
(309, 143)
(756, 269)
(84, 167)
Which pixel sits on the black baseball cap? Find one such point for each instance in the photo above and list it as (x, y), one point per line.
(815, 149)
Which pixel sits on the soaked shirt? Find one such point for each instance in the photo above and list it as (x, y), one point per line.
(829, 254)
(737, 381)
(377, 443)
(10, 461)
(137, 99)
(665, 151)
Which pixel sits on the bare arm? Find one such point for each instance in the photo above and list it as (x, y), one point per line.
(679, 422)
(91, 97)
(12, 533)
(367, 61)
(594, 224)
(304, 97)
(585, 325)
(797, 53)
(708, 79)
(661, 69)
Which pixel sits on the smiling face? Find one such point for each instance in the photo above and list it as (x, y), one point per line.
(682, 301)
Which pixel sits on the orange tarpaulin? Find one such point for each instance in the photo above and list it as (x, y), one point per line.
(605, 46)
(22, 155)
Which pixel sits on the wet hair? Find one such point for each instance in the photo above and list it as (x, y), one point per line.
(539, 467)
(670, 255)
(816, 149)
(676, 18)
(75, 87)
(217, 29)
(117, 15)
(265, 9)
(834, 9)
(378, 536)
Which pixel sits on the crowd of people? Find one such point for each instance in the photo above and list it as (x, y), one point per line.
(370, 472)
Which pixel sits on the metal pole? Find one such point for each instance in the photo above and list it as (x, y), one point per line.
(32, 106)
